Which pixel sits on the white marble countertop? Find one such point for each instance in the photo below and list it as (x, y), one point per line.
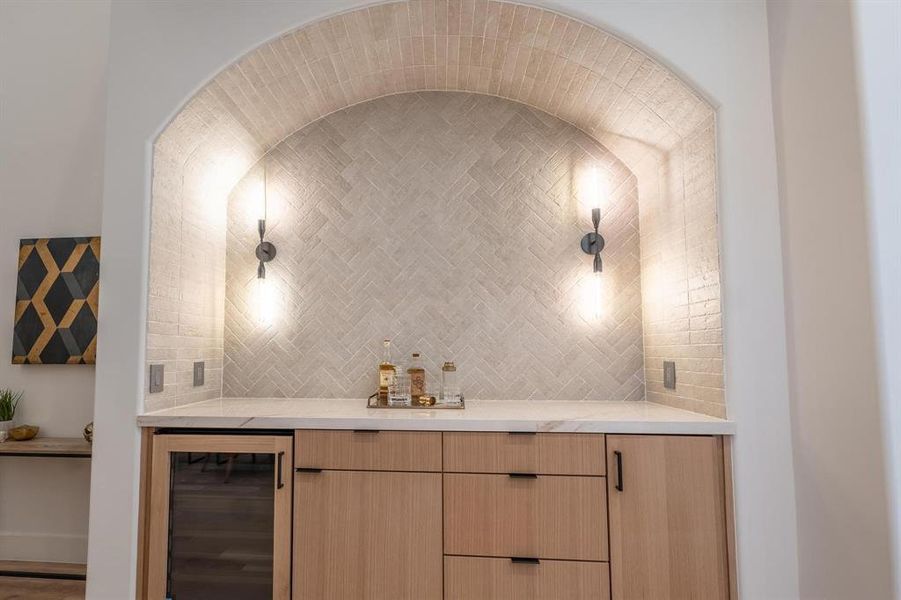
(479, 415)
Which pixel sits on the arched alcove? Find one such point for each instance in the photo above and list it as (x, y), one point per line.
(627, 102)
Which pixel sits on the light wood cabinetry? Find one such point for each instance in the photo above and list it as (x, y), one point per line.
(400, 515)
(367, 450)
(372, 535)
(542, 516)
(667, 517)
(540, 453)
(468, 578)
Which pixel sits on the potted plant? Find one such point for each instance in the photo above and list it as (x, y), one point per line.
(9, 400)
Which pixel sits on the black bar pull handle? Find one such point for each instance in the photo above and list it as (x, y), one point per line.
(619, 469)
(523, 432)
(280, 459)
(524, 560)
(366, 430)
(523, 475)
(308, 470)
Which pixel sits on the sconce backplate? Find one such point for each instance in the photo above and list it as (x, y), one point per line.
(265, 251)
(592, 243)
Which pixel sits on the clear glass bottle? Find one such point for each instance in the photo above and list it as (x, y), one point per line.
(387, 372)
(417, 376)
(450, 388)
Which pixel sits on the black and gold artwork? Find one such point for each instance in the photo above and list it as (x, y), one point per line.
(56, 301)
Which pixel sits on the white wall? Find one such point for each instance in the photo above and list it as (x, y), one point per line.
(722, 47)
(878, 45)
(52, 91)
(843, 527)
(161, 52)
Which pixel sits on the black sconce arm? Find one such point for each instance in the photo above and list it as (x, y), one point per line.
(593, 242)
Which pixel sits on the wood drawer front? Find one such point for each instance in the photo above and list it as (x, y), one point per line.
(543, 453)
(550, 516)
(368, 450)
(467, 578)
(368, 535)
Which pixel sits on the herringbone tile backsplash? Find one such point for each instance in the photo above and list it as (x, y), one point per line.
(450, 223)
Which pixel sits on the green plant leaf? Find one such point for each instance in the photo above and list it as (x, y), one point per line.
(9, 401)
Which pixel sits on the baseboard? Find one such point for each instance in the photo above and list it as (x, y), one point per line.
(18, 545)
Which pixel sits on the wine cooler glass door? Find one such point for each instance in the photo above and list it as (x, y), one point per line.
(222, 518)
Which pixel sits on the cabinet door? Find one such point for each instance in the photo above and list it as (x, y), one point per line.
(367, 535)
(667, 517)
(219, 524)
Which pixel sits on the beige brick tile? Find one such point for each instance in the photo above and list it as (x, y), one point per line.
(655, 124)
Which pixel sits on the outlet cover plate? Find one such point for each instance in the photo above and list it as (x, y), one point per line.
(156, 378)
(198, 373)
(669, 374)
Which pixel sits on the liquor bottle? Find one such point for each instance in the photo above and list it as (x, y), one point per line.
(387, 371)
(417, 377)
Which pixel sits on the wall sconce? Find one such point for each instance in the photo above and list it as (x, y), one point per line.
(265, 252)
(592, 243)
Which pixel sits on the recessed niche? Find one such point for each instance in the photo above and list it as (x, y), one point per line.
(332, 106)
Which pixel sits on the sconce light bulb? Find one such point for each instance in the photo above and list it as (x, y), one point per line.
(265, 302)
(597, 289)
(597, 191)
(255, 202)
(591, 305)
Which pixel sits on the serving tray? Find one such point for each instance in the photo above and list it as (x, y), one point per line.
(373, 402)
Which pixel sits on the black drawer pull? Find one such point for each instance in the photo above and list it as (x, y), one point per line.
(619, 470)
(280, 468)
(523, 432)
(308, 470)
(366, 430)
(524, 560)
(523, 475)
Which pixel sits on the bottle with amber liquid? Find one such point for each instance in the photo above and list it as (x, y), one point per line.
(387, 371)
(417, 377)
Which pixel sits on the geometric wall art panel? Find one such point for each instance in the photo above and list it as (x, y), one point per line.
(56, 301)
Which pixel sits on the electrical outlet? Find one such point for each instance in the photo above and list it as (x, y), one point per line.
(156, 378)
(198, 373)
(669, 374)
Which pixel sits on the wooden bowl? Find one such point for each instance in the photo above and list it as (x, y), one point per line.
(23, 432)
